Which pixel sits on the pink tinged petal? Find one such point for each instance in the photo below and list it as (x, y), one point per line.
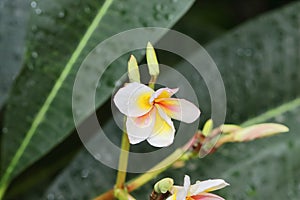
(144, 120)
(259, 131)
(163, 93)
(133, 99)
(139, 128)
(163, 132)
(179, 109)
(229, 128)
(206, 196)
(207, 186)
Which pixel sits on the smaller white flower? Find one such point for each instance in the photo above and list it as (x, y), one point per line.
(199, 191)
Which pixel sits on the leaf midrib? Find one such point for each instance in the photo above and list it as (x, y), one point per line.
(42, 112)
(273, 112)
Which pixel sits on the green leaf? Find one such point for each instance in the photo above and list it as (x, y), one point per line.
(13, 20)
(39, 114)
(259, 62)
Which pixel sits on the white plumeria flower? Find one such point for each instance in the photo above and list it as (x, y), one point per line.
(149, 113)
(199, 191)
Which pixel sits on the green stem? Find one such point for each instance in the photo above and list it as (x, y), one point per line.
(123, 161)
(122, 195)
(152, 85)
(146, 177)
(2, 190)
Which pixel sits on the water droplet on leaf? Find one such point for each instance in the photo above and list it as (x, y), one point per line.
(85, 173)
(33, 4)
(4, 130)
(38, 11)
(98, 156)
(50, 196)
(61, 14)
(158, 7)
(87, 9)
(34, 54)
(118, 83)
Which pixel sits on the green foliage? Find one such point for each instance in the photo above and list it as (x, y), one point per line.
(39, 115)
(259, 63)
(251, 61)
(13, 20)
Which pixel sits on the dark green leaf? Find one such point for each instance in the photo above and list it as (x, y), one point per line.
(259, 62)
(13, 21)
(39, 114)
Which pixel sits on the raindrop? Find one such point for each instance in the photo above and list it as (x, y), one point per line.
(174, 1)
(87, 9)
(118, 83)
(50, 196)
(38, 11)
(98, 84)
(98, 156)
(248, 52)
(158, 7)
(33, 4)
(34, 54)
(61, 14)
(169, 16)
(85, 173)
(4, 130)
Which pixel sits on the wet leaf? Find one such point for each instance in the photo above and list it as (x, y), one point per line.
(251, 60)
(62, 33)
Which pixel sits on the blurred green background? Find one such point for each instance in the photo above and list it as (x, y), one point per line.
(254, 43)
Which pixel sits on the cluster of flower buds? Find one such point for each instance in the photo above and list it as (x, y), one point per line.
(209, 139)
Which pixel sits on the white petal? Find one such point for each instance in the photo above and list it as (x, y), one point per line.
(138, 129)
(163, 93)
(180, 109)
(133, 99)
(178, 192)
(187, 183)
(207, 186)
(163, 132)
